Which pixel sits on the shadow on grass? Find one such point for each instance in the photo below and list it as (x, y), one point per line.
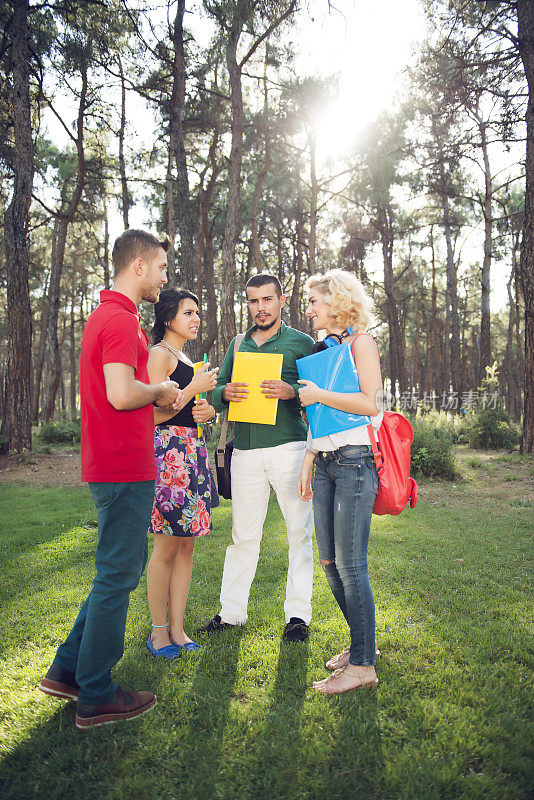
(196, 720)
(276, 752)
(357, 764)
(172, 752)
(51, 761)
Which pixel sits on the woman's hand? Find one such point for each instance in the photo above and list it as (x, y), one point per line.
(304, 489)
(202, 411)
(309, 393)
(204, 379)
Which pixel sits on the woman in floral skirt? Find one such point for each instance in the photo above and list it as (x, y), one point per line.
(185, 492)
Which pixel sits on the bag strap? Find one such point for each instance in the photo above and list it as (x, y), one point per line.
(377, 455)
(224, 425)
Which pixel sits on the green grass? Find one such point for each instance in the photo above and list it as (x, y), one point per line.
(450, 719)
(475, 463)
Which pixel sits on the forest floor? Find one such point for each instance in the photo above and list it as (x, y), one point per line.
(485, 475)
(60, 467)
(451, 718)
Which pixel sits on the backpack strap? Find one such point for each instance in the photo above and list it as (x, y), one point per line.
(224, 424)
(377, 455)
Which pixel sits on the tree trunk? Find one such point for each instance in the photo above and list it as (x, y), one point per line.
(63, 221)
(107, 282)
(122, 164)
(396, 340)
(184, 217)
(263, 172)
(209, 333)
(294, 303)
(485, 323)
(171, 225)
(453, 326)
(312, 255)
(279, 251)
(426, 376)
(451, 344)
(16, 432)
(463, 349)
(437, 371)
(58, 255)
(41, 350)
(525, 16)
(73, 359)
(416, 373)
(231, 228)
(255, 206)
(510, 376)
(518, 340)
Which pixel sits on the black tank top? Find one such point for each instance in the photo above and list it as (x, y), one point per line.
(182, 375)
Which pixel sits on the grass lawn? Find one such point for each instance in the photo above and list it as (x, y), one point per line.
(450, 718)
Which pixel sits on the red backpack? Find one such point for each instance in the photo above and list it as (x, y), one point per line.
(392, 459)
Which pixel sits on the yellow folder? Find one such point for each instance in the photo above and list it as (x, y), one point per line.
(253, 368)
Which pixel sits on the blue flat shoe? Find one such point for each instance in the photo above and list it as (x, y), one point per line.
(189, 646)
(169, 651)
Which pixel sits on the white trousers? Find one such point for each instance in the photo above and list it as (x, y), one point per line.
(253, 473)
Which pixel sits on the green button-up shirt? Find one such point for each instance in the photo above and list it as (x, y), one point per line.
(289, 426)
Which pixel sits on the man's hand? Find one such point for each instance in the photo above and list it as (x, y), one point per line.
(278, 390)
(202, 411)
(125, 393)
(309, 393)
(169, 394)
(235, 392)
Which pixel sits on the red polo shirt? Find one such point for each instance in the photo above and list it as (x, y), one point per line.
(117, 446)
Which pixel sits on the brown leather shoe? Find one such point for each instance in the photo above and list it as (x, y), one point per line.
(59, 682)
(123, 705)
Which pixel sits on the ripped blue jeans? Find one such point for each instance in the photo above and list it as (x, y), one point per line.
(345, 488)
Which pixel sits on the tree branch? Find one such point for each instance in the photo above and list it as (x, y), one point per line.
(267, 33)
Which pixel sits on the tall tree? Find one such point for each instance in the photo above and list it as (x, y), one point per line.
(525, 17)
(234, 18)
(16, 423)
(183, 213)
(377, 172)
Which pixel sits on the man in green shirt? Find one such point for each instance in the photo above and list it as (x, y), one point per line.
(265, 456)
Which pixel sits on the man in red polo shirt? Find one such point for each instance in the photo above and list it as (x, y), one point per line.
(117, 451)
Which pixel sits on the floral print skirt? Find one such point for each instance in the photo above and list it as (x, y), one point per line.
(185, 490)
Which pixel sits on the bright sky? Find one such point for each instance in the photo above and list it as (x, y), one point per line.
(368, 43)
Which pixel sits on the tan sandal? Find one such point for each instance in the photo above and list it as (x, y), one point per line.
(342, 659)
(326, 686)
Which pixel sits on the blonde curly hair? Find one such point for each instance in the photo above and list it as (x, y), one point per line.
(349, 302)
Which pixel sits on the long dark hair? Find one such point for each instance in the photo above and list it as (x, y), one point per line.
(166, 309)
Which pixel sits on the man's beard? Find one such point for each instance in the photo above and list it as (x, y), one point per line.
(151, 294)
(266, 327)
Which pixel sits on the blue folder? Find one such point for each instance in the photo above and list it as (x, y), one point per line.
(332, 369)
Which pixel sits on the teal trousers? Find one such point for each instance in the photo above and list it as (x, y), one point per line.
(96, 641)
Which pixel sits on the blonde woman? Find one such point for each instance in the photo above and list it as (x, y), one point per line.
(346, 481)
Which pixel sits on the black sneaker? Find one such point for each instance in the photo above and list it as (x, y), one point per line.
(214, 625)
(296, 630)
(59, 682)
